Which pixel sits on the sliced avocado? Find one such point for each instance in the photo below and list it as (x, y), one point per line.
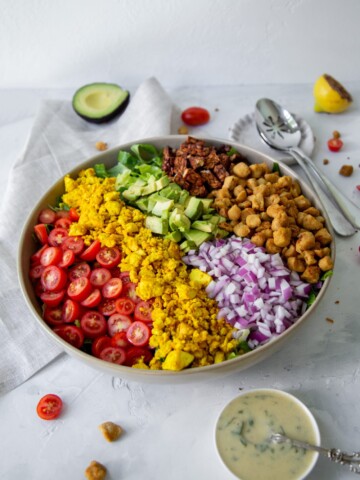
(204, 226)
(194, 208)
(174, 236)
(142, 203)
(157, 225)
(197, 237)
(162, 182)
(184, 195)
(187, 245)
(207, 202)
(179, 221)
(161, 206)
(100, 102)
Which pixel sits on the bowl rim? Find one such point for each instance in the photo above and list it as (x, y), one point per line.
(290, 396)
(264, 350)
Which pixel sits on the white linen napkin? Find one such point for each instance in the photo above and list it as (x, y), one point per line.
(59, 140)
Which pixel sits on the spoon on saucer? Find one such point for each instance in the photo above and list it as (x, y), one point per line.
(279, 129)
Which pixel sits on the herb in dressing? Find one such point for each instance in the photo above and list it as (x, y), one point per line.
(243, 436)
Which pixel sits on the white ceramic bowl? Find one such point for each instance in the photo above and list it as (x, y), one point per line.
(27, 247)
(257, 414)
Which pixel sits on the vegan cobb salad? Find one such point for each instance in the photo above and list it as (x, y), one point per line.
(178, 259)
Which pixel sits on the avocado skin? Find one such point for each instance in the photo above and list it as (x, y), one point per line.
(106, 118)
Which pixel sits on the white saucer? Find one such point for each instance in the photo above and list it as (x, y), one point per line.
(244, 131)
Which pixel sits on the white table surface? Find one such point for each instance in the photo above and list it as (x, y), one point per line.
(170, 429)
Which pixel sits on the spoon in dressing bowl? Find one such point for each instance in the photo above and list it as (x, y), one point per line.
(279, 129)
(352, 460)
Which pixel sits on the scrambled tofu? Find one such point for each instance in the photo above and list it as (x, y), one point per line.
(186, 331)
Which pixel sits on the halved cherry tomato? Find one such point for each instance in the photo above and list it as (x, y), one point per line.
(70, 311)
(125, 306)
(49, 407)
(120, 340)
(47, 216)
(112, 288)
(195, 116)
(76, 244)
(81, 269)
(91, 251)
(73, 214)
(39, 289)
(116, 272)
(53, 315)
(36, 271)
(57, 236)
(143, 312)
(51, 256)
(79, 289)
(113, 355)
(41, 233)
(107, 307)
(53, 278)
(99, 276)
(68, 258)
(109, 257)
(125, 277)
(35, 257)
(134, 354)
(335, 144)
(93, 299)
(118, 323)
(52, 299)
(129, 290)
(99, 344)
(71, 334)
(138, 333)
(62, 214)
(63, 223)
(93, 324)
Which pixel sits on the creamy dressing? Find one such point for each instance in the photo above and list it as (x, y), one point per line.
(245, 426)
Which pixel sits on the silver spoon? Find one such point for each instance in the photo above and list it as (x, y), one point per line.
(279, 129)
(352, 460)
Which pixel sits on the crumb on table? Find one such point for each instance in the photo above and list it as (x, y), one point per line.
(95, 471)
(101, 146)
(330, 320)
(110, 431)
(346, 170)
(326, 161)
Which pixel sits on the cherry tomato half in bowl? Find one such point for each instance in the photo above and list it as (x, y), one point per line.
(195, 116)
(49, 407)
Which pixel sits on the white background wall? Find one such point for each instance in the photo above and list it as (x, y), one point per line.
(66, 43)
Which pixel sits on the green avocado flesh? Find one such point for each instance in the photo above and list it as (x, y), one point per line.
(100, 102)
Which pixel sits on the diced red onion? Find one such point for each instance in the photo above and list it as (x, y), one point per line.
(255, 291)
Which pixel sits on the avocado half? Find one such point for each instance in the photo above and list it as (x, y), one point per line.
(100, 102)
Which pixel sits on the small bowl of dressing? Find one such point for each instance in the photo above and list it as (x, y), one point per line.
(243, 432)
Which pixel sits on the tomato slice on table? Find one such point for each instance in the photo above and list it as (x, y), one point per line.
(113, 355)
(195, 116)
(47, 216)
(118, 323)
(52, 299)
(70, 311)
(99, 344)
(112, 288)
(68, 258)
(335, 144)
(81, 269)
(99, 276)
(49, 407)
(57, 236)
(71, 334)
(51, 256)
(41, 233)
(125, 306)
(91, 251)
(138, 333)
(143, 312)
(93, 299)
(53, 278)
(53, 316)
(133, 354)
(109, 257)
(79, 289)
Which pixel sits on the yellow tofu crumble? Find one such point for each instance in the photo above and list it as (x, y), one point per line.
(186, 331)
